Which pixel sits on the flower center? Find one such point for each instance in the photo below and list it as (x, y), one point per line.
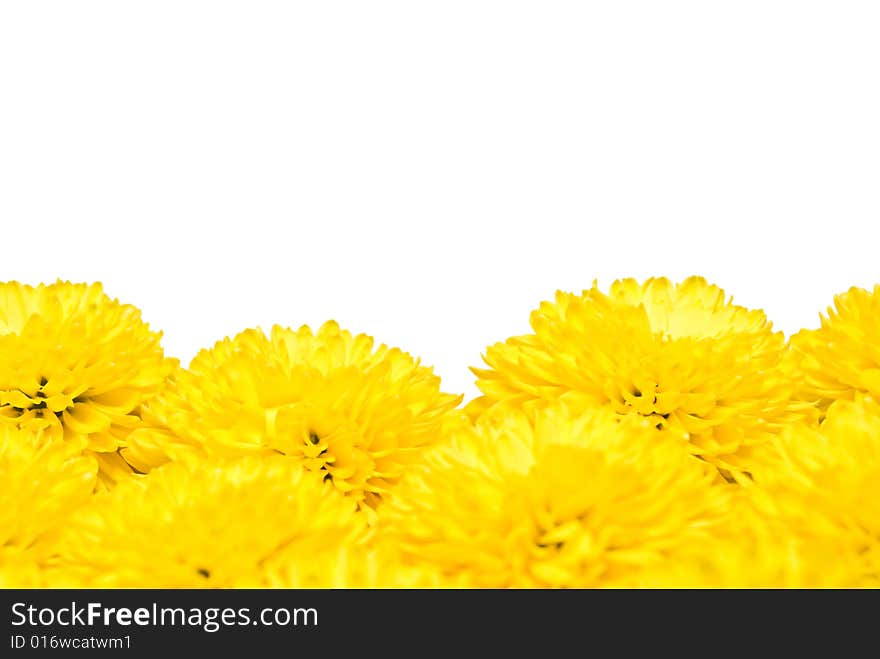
(644, 404)
(37, 405)
(314, 440)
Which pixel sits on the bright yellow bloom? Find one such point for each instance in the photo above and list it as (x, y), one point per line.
(841, 359)
(369, 564)
(683, 356)
(76, 365)
(254, 522)
(566, 501)
(751, 552)
(20, 569)
(329, 400)
(41, 483)
(821, 487)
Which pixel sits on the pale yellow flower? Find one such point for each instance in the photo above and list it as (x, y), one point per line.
(562, 501)
(682, 356)
(752, 551)
(19, 568)
(41, 483)
(820, 486)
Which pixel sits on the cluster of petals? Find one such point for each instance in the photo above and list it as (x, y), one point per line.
(651, 434)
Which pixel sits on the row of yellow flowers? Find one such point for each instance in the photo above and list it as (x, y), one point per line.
(654, 435)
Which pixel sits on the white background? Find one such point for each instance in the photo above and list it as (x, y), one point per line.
(427, 172)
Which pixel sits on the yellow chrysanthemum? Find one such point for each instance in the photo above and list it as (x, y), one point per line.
(750, 552)
(841, 359)
(255, 521)
(821, 487)
(20, 569)
(76, 365)
(683, 356)
(329, 400)
(41, 483)
(564, 501)
(369, 564)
